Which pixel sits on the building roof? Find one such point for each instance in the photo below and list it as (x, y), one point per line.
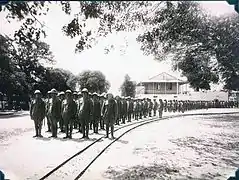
(164, 77)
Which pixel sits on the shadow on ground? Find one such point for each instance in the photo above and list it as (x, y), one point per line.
(6, 135)
(154, 171)
(211, 146)
(222, 118)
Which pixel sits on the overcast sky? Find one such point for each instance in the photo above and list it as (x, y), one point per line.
(113, 65)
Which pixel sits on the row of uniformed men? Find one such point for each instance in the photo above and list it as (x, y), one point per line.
(181, 106)
(84, 110)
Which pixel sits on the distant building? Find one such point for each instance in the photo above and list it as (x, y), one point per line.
(163, 83)
(166, 86)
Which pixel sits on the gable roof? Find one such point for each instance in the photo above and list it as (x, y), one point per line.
(164, 77)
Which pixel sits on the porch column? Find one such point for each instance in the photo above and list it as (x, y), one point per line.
(153, 87)
(165, 88)
(177, 87)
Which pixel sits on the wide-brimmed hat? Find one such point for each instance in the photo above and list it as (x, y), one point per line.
(53, 91)
(84, 90)
(95, 94)
(37, 92)
(61, 93)
(68, 91)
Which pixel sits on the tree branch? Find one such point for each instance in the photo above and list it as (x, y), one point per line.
(30, 8)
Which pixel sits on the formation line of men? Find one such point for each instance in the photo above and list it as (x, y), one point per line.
(85, 111)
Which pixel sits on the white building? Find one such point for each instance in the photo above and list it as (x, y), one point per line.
(166, 86)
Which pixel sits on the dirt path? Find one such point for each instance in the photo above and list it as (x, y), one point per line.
(201, 147)
(177, 148)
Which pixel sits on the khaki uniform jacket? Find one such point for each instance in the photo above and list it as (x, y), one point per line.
(54, 109)
(124, 107)
(38, 109)
(131, 107)
(155, 106)
(110, 111)
(69, 109)
(86, 110)
(96, 109)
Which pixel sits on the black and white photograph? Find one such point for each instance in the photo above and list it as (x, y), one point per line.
(119, 90)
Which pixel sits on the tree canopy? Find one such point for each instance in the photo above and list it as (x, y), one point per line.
(22, 71)
(94, 81)
(128, 88)
(204, 47)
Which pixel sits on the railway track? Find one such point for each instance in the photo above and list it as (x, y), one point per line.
(75, 166)
(51, 173)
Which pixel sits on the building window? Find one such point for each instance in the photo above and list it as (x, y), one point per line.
(169, 86)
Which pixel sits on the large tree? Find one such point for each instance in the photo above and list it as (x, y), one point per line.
(28, 59)
(59, 79)
(128, 88)
(110, 16)
(204, 48)
(21, 68)
(94, 81)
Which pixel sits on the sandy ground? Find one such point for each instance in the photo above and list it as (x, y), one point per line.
(199, 147)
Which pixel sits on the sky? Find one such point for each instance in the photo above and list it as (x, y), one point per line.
(114, 65)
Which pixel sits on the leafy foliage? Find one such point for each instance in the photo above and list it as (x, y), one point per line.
(22, 71)
(28, 13)
(94, 81)
(59, 79)
(111, 16)
(128, 88)
(204, 48)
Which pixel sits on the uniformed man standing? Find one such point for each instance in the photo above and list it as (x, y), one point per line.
(140, 108)
(174, 106)
(85, 113)
(150, 107)
(102, 100)
(54, 112)
(182, 109)
(124, 110)
(91, 117)
(165, 104)
(145, 107)
(155, 106)
(79, 104)
(137, 109)
(170, 106)
(75, 98)
(130, 108)
(96, 112)
(134, 108)
(119, 107)
(37, 112)
(47, 115)
(109, 114)
(61, 122)
(69, 113)
(160, 108)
